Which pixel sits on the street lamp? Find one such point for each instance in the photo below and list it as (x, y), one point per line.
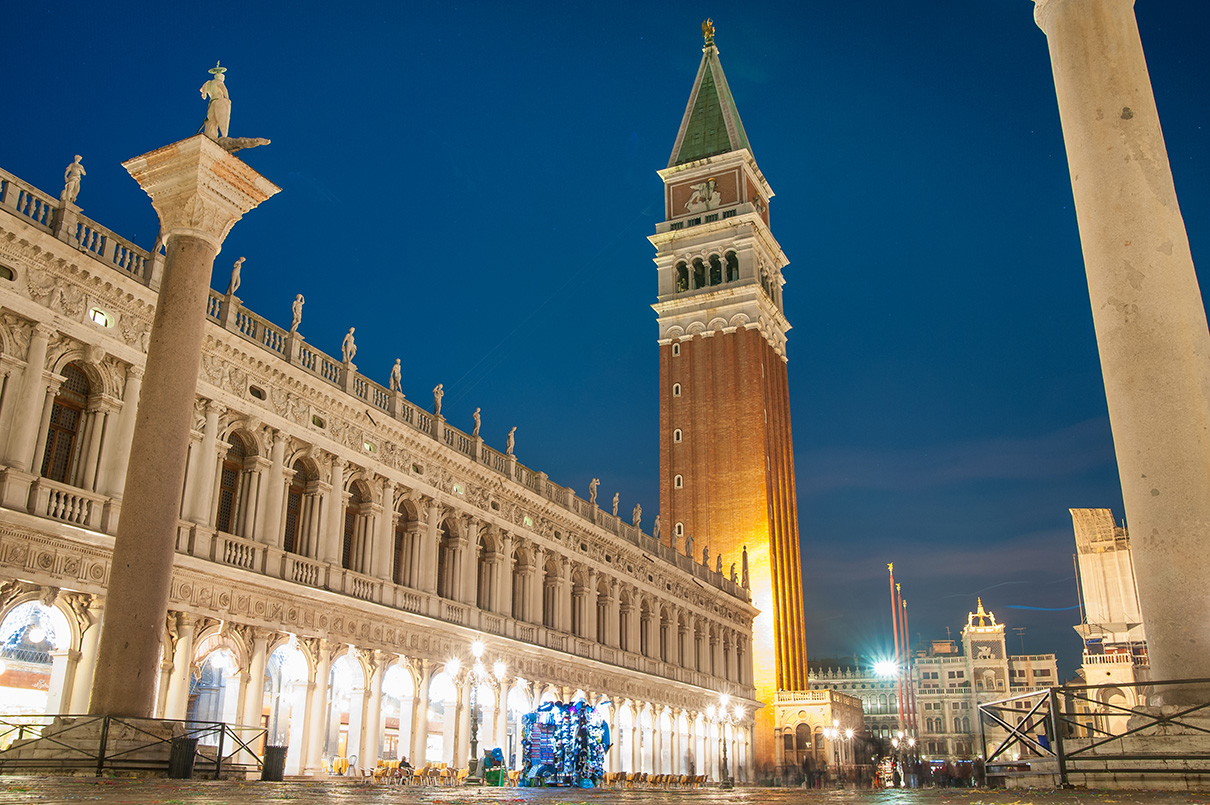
(903, 745)
(835, 734)
(476, 675)
(725, 716)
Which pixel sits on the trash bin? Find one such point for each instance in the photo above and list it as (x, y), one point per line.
(180, 759)
(274, 767)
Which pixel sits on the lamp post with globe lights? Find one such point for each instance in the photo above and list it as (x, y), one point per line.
(904, 745)
(725, 715)
(475, 676)
(835, 734)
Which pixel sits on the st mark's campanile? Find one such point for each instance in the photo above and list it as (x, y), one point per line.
(726, 451)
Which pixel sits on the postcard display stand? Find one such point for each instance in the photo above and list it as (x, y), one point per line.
(564, 745)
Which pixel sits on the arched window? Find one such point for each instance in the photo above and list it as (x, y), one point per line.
(645, 629)
(352, 513)
(678, 482)
(682, 277)
(292, 538)
(62, 456)
(680, 529)
(676, 350)
(403, 552)
(802, 737)
(716, 270)
(699, 274)
(447, 564)
(732, 267)
(957, 724)
(676, 435)
(676, 389)
(229, 485)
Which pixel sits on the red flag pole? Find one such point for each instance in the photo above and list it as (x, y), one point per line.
(898, 662)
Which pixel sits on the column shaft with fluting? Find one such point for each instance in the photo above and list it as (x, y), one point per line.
(199, 192)
(1148, 314)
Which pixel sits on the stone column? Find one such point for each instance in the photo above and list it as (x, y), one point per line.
(202, 491)
(119, 454)
(427, 572)
(331, 539)
(48, 405)
(536, 587)
(317, 707)
(82, 687)
(30, 403)
(384, 539)
(371, 744)
(462, 724)
(270, 530)
(503, 604)
(182, 659)
(62, 676)
(420, 715)
(1149, 318)
(199, 191)
(254, 699)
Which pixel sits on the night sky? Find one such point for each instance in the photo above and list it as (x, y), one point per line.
(472, 185)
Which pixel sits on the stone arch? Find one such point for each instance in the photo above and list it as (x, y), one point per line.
(717, 324)
(674, 332)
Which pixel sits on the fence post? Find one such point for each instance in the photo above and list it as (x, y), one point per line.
(101, 749)
(218, 761)
(1057, 736)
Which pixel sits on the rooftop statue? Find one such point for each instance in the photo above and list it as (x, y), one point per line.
(71, 181)
(615, 504)
(296, 312)
(233, 285)
(396, 375)
(592, 490)
(636, 515)
(438, 393)
(511, 442)
(655, 531)
(478, 423)
(348, 347)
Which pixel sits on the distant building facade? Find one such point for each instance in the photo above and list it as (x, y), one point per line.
(951, 680)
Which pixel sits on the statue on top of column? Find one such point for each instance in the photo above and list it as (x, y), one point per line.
(71, 181)
(396, 375)
(511, 442)
(688, 545)
(233, 285)
(616, 496)
(718, 564)
(706, 555)
(218, 111)
(592, 490)
(478, 423)
(733, 576)
(438, 393)
(655, 530)
(348, 347)
(636, 515)
(296, 312)
(744, 568)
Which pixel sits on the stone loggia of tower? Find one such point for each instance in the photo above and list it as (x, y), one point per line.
(726, 451)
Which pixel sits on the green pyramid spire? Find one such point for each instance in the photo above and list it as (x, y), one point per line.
(711, 124)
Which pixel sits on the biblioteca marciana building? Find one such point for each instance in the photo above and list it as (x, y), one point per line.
(329, 565)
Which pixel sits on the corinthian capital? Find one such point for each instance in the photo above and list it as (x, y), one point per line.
(197, 188)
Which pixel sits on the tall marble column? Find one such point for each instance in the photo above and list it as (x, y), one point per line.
(201, 490)
(384, 539)
(317, 706)
(199, 191)
(331, 539)
(254, 699)
(1148, 315)
(420, 719)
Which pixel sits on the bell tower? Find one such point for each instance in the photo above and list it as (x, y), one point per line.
(726, 451)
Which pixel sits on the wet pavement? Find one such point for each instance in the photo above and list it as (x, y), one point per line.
(54, 790)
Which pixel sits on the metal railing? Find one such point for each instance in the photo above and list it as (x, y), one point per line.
(109, 743)
(1076, 729)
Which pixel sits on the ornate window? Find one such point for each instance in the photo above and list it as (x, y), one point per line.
(682, 277)
(732, 267)
(678, 482)
(676, 387)
(62, 457)
(676, 435)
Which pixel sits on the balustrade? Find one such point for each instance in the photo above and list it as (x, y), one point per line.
(67, 503)
(237, 552)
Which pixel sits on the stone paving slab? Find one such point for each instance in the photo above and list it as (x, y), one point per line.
(56, 790)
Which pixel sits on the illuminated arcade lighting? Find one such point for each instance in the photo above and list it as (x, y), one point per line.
(498, 670)
(452, 665)
(477, 649)
(36, 634)
(886, 668)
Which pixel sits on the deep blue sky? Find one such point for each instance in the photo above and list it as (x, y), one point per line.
(472, 185)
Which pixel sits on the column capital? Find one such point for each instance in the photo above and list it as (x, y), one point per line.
(134, 372)
(215, 408)
(197, 188)
(42, 330)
